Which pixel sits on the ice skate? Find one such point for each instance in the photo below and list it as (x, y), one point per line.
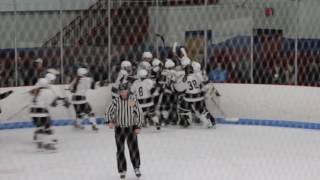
(122, 175)
(137, 172)
(95, 128)
(78, 126)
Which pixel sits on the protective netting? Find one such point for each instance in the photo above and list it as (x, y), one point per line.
(265, 42)
(236, 41)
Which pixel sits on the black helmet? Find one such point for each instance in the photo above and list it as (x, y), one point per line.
(188, 69)
(124, 86)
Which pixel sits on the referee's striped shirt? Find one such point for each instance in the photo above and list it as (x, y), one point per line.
(125, 112)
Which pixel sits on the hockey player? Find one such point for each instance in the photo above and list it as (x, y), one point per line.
(144, 88)
(183, 62)
(157, 67)
(204, 78)
(166, 80)
(146, 62)
(51, 77)
(79, 87)
(42, 99)
(4, 95)
(124, 76)
(193, 99)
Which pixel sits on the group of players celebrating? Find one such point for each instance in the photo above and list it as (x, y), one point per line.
(170, 92)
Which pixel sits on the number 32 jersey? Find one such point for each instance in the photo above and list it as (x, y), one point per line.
(193, 88)
(143, 89)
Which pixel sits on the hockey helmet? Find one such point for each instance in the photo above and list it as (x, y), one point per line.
(145, 65)
(82, 71)
(42, 83)
(169, 64)
(53, 71)
(147, 55)
(156, 62)
(50, 77)
(196, 66)
(142, 73)
(124, 86)
(39, 60)
(157, 65)
(188, 69)
(125, 64)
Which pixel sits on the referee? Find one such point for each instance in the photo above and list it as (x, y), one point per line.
(125, 116)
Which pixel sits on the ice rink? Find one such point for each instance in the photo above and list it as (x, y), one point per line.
(230, 152)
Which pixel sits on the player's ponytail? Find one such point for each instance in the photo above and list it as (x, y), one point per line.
(75, 84)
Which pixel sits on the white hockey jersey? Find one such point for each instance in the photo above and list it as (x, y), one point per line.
(40, 104)
(79, 90)
(143, 90)
(192, 86)
(166, 79)
(122, 78)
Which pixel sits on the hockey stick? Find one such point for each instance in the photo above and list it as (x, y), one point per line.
(18, 112)
(5, 94)
(162, 39)
(231, 119)
(212, 98)
(70, 114)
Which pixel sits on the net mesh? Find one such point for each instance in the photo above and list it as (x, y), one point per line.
(269, 42)
(253, 42)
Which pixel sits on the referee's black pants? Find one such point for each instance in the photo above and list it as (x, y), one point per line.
(121, 134)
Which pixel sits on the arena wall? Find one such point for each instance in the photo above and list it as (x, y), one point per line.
(230, 20)
(274, 105)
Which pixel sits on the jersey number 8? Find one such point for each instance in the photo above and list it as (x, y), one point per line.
(140, 91)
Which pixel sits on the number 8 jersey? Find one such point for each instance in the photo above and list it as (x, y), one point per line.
(143, 88)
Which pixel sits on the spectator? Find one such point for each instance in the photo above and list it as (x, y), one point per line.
(244, 68)
(219, 74)
(313, 74)
(289, 69)
(36, 72)
(235, 74)
(278, 75)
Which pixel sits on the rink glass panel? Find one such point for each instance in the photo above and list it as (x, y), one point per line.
(35, 27)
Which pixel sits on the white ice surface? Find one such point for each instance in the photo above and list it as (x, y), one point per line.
(226, 153)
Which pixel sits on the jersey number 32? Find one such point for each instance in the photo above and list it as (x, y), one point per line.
(193, 85)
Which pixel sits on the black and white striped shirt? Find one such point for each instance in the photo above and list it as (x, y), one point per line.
(125, 112)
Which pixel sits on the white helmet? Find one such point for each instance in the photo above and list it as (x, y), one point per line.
(145, 65)
(39, 60)
(53, 71)
(50, 77)
(147, 55)
(169, 64)
(142, 73)
(156, 62)
(125, 64)
(196, 66)
(185, 61)
(42, 82)
(82, 71)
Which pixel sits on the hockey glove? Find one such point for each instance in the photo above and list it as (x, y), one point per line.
(66, 103)
(54, 103)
